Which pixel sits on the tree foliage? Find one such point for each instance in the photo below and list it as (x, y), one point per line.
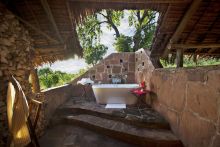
(189, 62)
(49, 78)
(89, 35)
(123, 44)
(95, 53)
(144, 22)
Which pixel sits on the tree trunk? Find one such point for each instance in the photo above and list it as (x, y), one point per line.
(115, 29)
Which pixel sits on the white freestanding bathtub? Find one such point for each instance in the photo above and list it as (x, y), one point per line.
(114, 93)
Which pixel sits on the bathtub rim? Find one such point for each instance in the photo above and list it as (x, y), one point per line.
(99, 86)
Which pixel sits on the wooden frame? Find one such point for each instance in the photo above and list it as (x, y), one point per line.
(31, 126)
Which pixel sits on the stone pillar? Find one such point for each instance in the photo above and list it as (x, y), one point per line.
(35, 81)
(179, 58)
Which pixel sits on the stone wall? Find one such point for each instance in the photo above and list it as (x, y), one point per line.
(15, 59)
(143, 67)
(116, 64)
(54, 97)
(189, 98)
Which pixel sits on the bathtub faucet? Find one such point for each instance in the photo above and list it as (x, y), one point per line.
(118, 79)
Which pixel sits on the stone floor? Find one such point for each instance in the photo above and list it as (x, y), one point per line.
(82, 123)
(140, 113)
(73, 136)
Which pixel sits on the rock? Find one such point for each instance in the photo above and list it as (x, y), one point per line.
(116, 69)
(194, 131)
(132, 117)
(9, 16)
(3, 56)
(6, 42)
(3, 28)
(2, 104)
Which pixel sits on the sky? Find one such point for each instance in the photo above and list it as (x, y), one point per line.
(107, 38)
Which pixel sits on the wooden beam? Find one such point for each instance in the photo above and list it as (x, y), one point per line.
(36, 29)
(49, 46)
(207, 54)
(35, 81)
(179, 58)
(69, 13)
(201, 45)
(189, 13)
(47, 9)
(49, 50)
(197, 22)
(212, 50)
(133, 1)
(28, 4)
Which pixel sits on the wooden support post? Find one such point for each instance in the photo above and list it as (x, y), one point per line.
(195, 58)
(179, 58)
(35, 81)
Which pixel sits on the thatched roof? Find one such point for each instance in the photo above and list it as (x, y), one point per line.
(50, 26)
(192, 25)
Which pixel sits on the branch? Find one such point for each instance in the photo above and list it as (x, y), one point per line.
(138, 15)
(148, 22)
(93, 27)
(103, 15)
(143, 17)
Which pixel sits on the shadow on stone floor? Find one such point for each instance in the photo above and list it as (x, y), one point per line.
(73, 136)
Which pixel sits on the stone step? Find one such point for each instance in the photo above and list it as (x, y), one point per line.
(126, 132)
(154, 121)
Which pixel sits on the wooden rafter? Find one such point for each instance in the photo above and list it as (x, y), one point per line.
(202, 54)
(32, 13)
(197, 22)
(208, 31)
(133, 1)
(212, 50)
(36, 29)
(200, 45)
(189, 13)
(69, 13)
(47, 9)
(29, 7)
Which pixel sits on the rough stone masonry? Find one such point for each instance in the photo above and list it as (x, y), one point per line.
(15, 58)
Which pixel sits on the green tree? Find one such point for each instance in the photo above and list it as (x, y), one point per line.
(144, 22)
(94, 53)
(123, 44)
(47, 78)
(89, 36)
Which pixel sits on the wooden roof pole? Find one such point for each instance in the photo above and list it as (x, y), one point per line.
(36, 29)
(69, 12)
(132, 1)
(47, 9)
(192, 9)
(200, 45)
